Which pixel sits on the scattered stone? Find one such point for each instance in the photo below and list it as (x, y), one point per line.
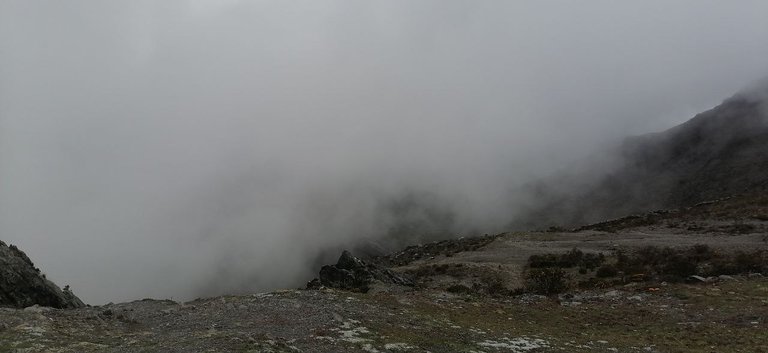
(636, 298)
(531, 298)
(397, 347)
(570, 303)
(37, 309)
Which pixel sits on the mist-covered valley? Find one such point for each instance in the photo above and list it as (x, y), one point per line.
(195, 148)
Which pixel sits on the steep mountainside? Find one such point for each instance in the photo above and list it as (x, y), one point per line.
(718, 153)
(22, 284)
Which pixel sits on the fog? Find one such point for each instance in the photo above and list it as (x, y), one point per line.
(175, 149)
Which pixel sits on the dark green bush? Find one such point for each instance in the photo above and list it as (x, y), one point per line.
(702, 252)
(606, 271)
(629, 264)
(546, 281)
(459, 289)
(544, 260)
(592, 261)
(750, 262)
(570, 259)
(496, 288)
(678, 265)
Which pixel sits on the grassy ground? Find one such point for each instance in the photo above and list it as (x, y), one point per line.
(727, 317)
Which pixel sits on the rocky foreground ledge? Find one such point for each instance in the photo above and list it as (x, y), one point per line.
(728, 316)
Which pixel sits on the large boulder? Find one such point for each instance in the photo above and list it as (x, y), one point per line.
(22, 284)
(351, 273)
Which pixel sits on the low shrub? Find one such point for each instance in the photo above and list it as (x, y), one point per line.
(751, 262)
(592, 261)
(459, 289)
(606, 271)
(544, 260)
(496, 288)
(547, 281)
(570, 259)
(677, 264)
(491, 284)
(702, 252)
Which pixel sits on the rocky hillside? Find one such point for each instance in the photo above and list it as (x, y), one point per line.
(472, 295)
(22, 284)
(718, 153)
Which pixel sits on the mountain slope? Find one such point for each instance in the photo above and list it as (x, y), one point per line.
(718, 153)
(22, 285)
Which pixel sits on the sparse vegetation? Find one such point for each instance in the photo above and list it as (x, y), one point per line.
(549, 273)
(676, 264)
(459, 289)
(572, 258)
(455, 270)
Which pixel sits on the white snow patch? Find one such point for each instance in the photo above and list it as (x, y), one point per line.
(477, 331)
(516, 345)
(397, 347)
(350, 333)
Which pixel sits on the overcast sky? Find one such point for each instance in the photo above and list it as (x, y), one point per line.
(184, 148)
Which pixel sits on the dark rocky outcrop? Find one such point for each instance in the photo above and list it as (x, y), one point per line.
(22, 284)
(351, 273)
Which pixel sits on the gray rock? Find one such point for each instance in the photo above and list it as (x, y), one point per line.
(37, 309)
(315, 284)
(572, 303)
(351, 273)
(22, 285)
(637, 298)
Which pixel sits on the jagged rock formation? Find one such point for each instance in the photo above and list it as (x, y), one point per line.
(351, 273)
(22, 284)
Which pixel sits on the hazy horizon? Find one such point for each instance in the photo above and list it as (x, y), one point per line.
(191, 148)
